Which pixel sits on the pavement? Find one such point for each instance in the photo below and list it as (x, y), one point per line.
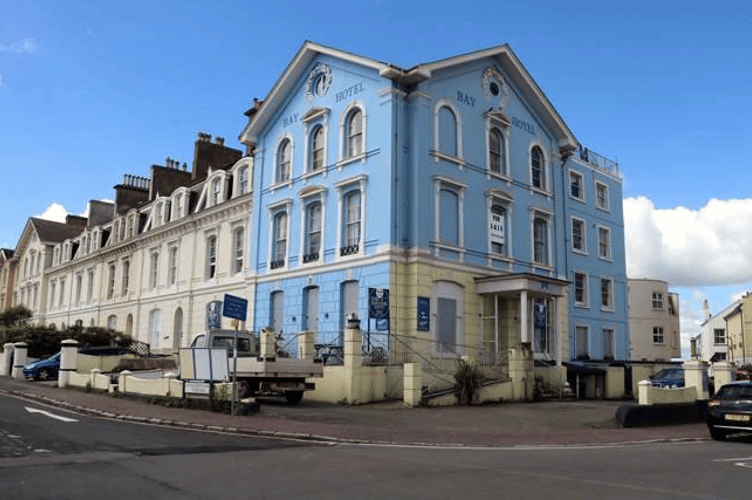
(547, 423)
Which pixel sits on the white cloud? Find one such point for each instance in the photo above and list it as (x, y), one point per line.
(25, 46)
(55, 212)
(711, 246)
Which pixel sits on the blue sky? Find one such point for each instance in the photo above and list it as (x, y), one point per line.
(91, 90)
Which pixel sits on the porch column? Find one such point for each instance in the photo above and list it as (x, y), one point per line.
(524, 329)
(558, 329)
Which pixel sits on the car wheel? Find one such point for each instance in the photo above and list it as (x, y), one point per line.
(44, 374)
(293, 397)
(717, 434)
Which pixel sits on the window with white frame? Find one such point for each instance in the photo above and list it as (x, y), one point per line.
(580, 289)
(576, 187)
(211, 256)
(604, 242)
(312, 232)
(62, 293)
(238, 244)
(538, 168)
(111, 322)
(216, 191)
(172, 269)
(608, 343)
(354, 131)
(351, 222)
(579, 238)
(178, 205)
(279, 239)
(53, 285)
(242, 180)
(498, 229)
(607, 294)
(317, 148)
(284, 161)
(719, 336)
(541, 239)
(657, 300)
(601, 196)
(658, 337)
(89, 285)
(153, 269)
(581, 342)
(496, 151)
(110, 280)
(126, 278)
(79, 287)
(155, 325)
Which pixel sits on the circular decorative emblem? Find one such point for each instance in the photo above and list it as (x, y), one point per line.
(319, 80)
(495, 87)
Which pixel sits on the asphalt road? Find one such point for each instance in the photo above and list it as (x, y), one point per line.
(43, 456)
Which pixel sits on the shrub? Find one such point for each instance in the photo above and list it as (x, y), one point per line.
(467, 380)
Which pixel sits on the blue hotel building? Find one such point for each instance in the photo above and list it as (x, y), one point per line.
(447, 203)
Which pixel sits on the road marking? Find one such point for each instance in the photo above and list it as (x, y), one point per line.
(731, 459)
(49, 414)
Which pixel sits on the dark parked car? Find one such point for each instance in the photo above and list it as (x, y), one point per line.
(730, 410)
(44, 369)
(668, 377)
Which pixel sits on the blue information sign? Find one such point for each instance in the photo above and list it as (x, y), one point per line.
(424, 314)
(235, 307)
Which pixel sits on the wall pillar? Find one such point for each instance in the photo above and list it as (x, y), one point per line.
(266, 343)
(522, 373)
(305, 345)
(6, 362)
(696, 375)
(643, 392)
(68, 355)
(353, 351)
(20, 351)
(723, 373)
(413, 384)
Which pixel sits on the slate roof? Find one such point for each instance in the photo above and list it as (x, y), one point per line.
(55, 232)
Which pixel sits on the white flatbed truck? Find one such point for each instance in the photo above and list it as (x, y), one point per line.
(261, 370)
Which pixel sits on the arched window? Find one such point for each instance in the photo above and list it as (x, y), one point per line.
(447, 131)
(238, 250)
(317, 148)
(496, 151)
(243, 184)
(354, 133)
(284, 161)
(216, 191)
(498, 229)
(540, 241)
(279, 252)
(538, 168)
(352, 223)
(211, 257)
(313, 232)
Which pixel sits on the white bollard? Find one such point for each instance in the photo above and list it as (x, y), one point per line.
(68, 355)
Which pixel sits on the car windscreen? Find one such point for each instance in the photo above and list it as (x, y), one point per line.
(735, 392)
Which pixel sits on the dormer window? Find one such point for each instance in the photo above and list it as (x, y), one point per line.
(216, 188)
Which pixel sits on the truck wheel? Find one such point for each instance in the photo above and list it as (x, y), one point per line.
(294, 397)
(244, 389)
